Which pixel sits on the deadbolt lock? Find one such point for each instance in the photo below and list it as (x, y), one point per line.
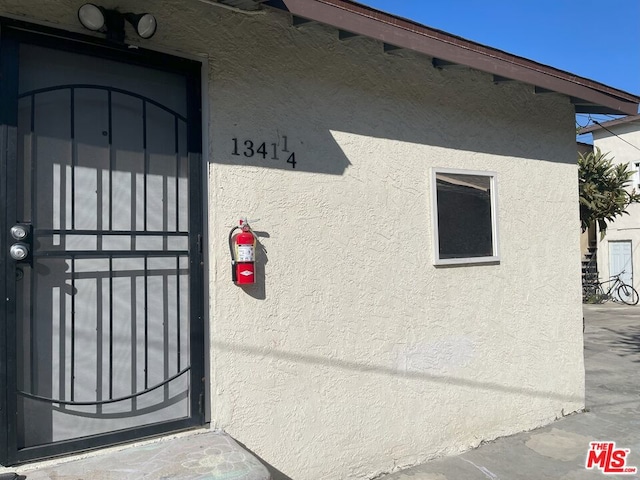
(21, 251)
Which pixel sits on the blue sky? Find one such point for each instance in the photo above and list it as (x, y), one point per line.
(596, 39)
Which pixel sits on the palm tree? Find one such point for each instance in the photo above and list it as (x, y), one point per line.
(604, 192)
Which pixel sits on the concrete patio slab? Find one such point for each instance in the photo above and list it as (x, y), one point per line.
(204, 456)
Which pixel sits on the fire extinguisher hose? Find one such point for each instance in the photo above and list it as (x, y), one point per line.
(233, 254)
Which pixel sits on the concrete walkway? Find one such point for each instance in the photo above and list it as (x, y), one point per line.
(559, 451)
(204, 456)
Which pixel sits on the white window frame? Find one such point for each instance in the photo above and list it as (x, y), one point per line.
(495, 258)
(635, 165)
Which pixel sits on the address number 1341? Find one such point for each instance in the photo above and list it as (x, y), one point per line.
(249, 148)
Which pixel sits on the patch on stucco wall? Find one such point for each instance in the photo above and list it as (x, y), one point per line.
(443, 356)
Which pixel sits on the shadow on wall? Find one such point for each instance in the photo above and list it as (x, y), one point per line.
(257, 147)
(311, 145)
(292, 114)
(269, 353)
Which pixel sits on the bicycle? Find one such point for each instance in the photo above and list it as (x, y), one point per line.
(594, 292)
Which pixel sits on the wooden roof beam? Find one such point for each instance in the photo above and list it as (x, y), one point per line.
(388, 48)
(300, 21)
(539, 90)
(344, 35)
(442, 64)
(498, 79)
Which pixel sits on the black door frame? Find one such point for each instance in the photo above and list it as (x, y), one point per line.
(12, 34)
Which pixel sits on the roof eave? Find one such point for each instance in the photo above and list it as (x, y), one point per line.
(588, 96)
(609, 124)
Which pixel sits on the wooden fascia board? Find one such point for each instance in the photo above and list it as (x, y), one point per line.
(454, 50)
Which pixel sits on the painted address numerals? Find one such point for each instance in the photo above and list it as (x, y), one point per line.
(268, 151)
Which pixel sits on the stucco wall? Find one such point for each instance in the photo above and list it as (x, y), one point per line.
(626, 227)
(355, 355)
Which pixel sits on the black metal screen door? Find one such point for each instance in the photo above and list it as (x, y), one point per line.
(105, 302)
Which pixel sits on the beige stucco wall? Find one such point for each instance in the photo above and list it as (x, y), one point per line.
(625, 227)
(355, 355)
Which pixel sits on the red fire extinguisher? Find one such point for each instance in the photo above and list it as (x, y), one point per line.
(243, 254)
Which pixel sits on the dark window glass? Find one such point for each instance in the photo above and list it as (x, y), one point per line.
(465, 228)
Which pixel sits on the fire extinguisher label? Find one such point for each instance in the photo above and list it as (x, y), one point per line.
(246, 253)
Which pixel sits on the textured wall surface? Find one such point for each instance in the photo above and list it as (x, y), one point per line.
(354, 355)
(626, 227)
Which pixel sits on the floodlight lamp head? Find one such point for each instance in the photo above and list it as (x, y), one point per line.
(112, 22)
(91, 17)
(144, 24)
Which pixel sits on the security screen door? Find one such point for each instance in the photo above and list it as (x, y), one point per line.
(107, 319)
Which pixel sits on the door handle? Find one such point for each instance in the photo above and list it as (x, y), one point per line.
(21, 250)
(20, 231)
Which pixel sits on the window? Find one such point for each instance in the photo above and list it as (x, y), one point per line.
(464, 216)
(636, 175)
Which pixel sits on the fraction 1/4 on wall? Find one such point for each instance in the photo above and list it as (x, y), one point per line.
(268, 151)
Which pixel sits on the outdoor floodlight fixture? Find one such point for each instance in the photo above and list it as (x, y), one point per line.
(111, 22)
(144, 23)
(91, 17)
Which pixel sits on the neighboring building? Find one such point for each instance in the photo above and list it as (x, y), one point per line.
(419, 287)
(619, 251)
(584, 148)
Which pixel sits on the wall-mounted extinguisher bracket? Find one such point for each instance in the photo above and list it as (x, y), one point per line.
(242, 245)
